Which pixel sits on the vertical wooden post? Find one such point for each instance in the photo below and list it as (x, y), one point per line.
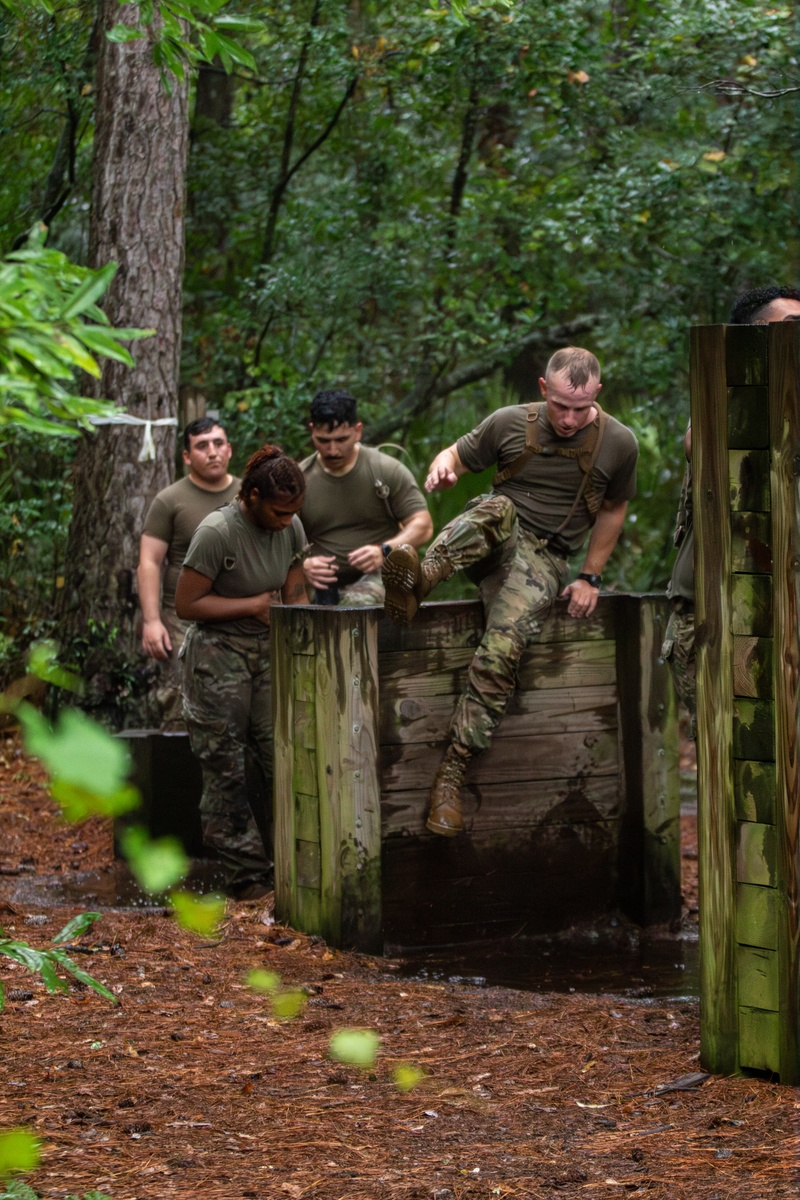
(716, 812)
(649, 866)
(784, 409)
(327, 791)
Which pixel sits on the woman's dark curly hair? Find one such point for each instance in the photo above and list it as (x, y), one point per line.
(273, 475)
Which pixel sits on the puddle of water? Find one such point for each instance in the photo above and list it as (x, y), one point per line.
(652, 967)
(113, 888)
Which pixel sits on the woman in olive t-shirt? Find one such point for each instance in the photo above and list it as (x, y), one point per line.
(241, 559)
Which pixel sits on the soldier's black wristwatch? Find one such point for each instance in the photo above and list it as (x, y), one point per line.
(595, 581)
(387, 549)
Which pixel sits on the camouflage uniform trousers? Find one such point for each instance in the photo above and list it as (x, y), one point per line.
(518, 579)
(169, 685)
(679, 652)
(227, 706)
(367, 590)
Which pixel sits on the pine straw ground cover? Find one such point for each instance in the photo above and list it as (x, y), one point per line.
(191, 1088)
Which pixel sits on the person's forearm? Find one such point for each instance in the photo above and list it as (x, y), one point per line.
(148, 578)
(212, 607)
(415, 531)
(605, 536)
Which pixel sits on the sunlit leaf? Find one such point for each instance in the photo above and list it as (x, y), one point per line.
(19, 1151)
(200, 914)
(263, 981)
(289, 1003)
(43, 663)
(358, 1047)
(406, 1076)
(157, 863)
(77, 751)
(76, 927)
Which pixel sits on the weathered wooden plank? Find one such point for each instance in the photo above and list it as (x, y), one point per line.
(347, 777)
(438, 889)
(283, 702)
(308, 864)
(306, 817)
(784, 406)
(753, 729)
(759, 1040)
(442, 673)
(754, 790)
(716, 824)
(306, 908)
(303, 684)
(450, 624)
(564, 710)
(751, 551)
(546, 756)
(752, 667)
(648, 732)
(751, 602)
(757, 916)
(749, 480)
(758, 978)
(746, 356)
(756, 858)
(748, 421)
(304, 775)
(510, 806)
(304, 724)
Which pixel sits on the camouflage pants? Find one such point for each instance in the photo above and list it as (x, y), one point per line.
(518, 579)
(679, 651)
(367, 590)
(227, 706)
(168, 690)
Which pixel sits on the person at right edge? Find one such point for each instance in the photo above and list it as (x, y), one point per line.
(564, 468)
(761, 306)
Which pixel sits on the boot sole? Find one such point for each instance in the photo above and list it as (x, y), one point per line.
(400, 575)
(442, 830)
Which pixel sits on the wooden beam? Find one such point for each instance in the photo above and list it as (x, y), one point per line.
(716, 811)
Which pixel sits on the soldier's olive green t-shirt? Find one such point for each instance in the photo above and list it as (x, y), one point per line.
(243, 560)
(342, 512)
(174, 515)
(545, 489)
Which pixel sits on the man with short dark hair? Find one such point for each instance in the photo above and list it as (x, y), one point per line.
(171, 520)
(760, 306)
(564, 468)
(359, 505)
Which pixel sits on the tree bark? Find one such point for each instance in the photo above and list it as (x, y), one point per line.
(137, 220)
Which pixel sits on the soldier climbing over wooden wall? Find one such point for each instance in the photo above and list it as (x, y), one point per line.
(564, 467)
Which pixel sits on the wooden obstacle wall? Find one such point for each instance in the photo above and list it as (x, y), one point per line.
(573, 812)
(746, 463)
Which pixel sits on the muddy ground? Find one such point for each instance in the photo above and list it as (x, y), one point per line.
(190, 1086)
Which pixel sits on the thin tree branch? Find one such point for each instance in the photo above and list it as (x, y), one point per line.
(731, 87)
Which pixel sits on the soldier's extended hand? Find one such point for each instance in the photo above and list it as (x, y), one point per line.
(156, 641)
(263, 603)
(366, 558)
(582, 598)
(320, 570)
(440, 478)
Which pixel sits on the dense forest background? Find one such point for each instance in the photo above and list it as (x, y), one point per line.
(420, 201)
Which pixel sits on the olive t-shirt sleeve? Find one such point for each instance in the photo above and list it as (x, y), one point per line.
(480, 448)
(405, 496)
(158, 522)
(206, 549)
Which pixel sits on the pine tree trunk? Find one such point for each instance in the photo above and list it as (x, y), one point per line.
(137, 220)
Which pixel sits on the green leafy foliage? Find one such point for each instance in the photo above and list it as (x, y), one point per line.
(88, 769)
(287, 1003)
(47, 963)
(184, 34)
(50, 329)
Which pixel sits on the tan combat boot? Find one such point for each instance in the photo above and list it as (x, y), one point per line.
(408, 581)
(445, 816)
